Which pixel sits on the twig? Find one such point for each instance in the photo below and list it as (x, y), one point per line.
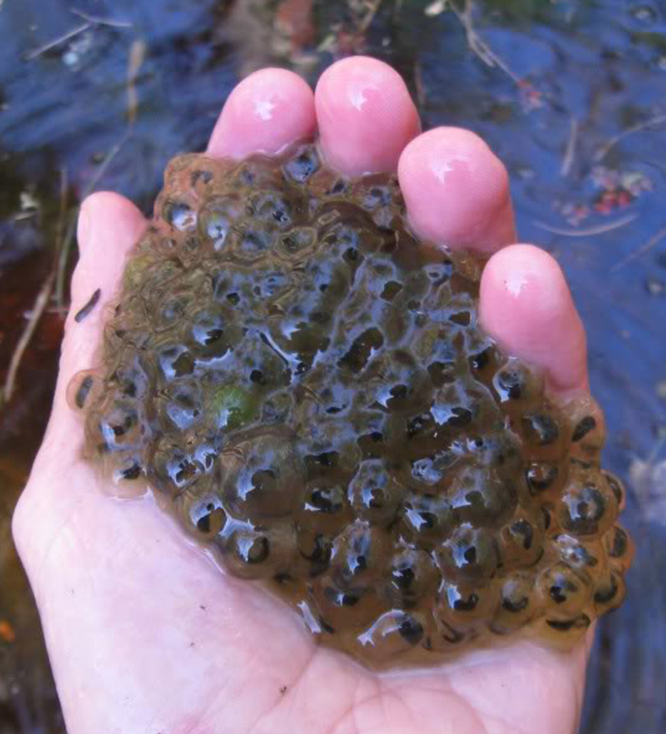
(590, 231)
(63, 257)
(57, 41)
(656, 238)
(476, 43)
(97, 20)
(60, 225)
(570, 152)
(69, 236)
(61, 233)
(137, 55)
(90, 21)
(106, 163)
(639, 127)
(369, 16)
(37, 310)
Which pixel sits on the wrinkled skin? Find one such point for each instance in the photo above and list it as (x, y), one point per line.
(144, 633)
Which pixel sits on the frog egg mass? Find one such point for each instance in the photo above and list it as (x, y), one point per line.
(306, 387)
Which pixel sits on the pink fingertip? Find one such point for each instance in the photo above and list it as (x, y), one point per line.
(526, 306)
(265, 113)
(106, 219)
(456, 190)
(109, 226)
(365, 116)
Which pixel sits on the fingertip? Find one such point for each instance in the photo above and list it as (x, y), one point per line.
(526, 306)
(106, 211)
(109, 225)
(456, 190)
(268, 111)
(365, 116)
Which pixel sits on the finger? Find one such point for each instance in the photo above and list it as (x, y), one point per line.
(522, 681)
(266, 112)
(365, 116)
(456, 190)
(526, 306)
(109, 225)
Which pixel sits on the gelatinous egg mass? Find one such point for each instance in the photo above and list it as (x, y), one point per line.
(306, 387)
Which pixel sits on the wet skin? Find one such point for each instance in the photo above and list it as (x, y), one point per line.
(144, 633)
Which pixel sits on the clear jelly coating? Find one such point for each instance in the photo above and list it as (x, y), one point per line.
(306, 387)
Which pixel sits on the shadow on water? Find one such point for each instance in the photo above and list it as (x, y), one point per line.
(569, 94)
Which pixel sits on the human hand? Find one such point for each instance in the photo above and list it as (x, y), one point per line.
(145, 634)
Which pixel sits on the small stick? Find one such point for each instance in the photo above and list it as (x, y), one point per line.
(370, 16)
(69, 236)
(570, 152)
(61, 232)
(37, 310)
(56, 42)
(97, 20)
(137, 55)
(590, 231)
(639, 127)
(652, 242)
(477, 44)
(63, 257)
(63, 206)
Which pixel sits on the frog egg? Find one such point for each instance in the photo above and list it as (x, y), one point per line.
(315, 551)
(357, 557)
(565, 592)
(544, 477)
(344, 609)
(393, 634)
(583, 555)
(260, 476)
(80, 388)
(469, 555)
(204, 515)
(609, 591)
(325, 507)
(521, 539)
(483, 496)
(617, 544)
(587, 506)
(258, 552)
(617, 488)
(411, 579)
(518, 603)
(426, 519)
(514, 383)
(374, 495)
(463, 606)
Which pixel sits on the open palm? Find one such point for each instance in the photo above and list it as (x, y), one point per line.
(145, 634)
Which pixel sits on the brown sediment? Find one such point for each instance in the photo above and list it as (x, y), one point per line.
(306, 387)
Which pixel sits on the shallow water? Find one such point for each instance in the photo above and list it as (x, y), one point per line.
(566, 105)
